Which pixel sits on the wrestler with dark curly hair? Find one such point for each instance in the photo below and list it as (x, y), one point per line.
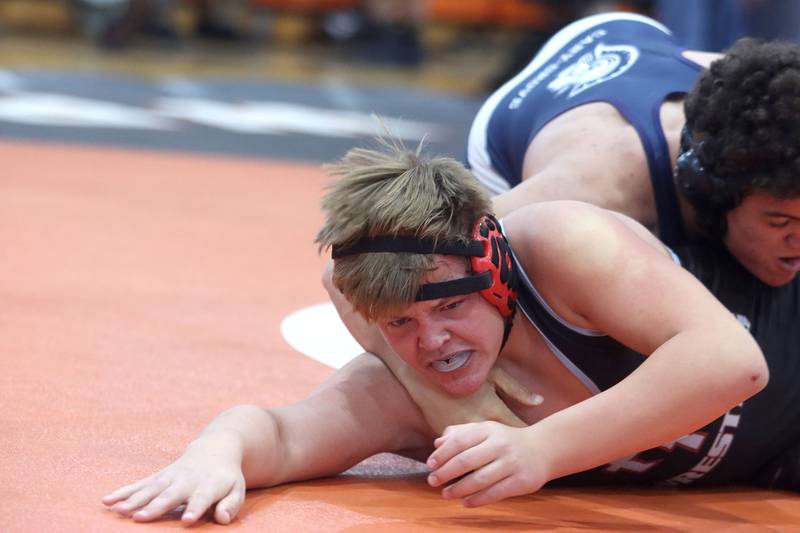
(742, 122)
(694, 145)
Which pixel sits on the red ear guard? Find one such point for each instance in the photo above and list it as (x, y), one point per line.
(496, 260)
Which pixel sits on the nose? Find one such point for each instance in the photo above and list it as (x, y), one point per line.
(793, 239)
(432, 335)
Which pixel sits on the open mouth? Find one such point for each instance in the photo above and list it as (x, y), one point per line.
(452, 363)
(791, 264)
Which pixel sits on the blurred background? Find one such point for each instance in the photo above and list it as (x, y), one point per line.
(298, 79)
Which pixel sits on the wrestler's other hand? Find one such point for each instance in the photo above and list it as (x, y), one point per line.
(496, 462)
(208, 473)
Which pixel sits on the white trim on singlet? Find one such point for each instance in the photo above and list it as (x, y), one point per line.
(477, 149)
(674, 256)
(577, 329)
(566, 361)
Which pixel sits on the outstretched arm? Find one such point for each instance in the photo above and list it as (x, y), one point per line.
(361, 410)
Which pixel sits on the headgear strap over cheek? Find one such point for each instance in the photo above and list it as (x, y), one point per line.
(491, 263)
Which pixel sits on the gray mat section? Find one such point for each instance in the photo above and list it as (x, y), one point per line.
(216, 116)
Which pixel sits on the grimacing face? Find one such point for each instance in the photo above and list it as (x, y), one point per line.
(764, 235)
(453, 342)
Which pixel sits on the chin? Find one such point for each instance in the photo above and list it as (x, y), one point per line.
(781, 283)
(461, 386)
(459, 391)
(778, 280)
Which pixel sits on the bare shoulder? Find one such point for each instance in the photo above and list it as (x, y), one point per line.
(573, 232)
(568, 248)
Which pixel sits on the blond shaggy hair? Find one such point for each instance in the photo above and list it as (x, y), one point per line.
(394, 191)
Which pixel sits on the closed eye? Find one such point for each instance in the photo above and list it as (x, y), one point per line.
(399, 322)
(778, 222)
(451, 305)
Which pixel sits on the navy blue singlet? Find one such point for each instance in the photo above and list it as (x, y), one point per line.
(627, 60)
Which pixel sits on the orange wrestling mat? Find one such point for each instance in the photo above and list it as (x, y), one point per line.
(142, 293)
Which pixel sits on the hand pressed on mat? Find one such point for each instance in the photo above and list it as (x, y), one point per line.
(207, 473)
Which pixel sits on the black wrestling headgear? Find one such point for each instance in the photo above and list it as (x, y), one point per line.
(710, 194)
(491, 264)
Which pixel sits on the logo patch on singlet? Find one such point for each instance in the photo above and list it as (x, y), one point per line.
(603, 63)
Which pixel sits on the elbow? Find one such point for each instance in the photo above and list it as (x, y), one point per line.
(759, 375)
(753, 372)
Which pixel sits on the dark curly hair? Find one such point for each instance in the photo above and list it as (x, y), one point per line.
(743, 124)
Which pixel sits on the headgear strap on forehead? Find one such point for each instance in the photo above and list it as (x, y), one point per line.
(408, 244)
(492, 272)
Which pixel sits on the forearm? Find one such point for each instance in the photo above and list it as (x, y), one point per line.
(513, 199)
(361, 410)
(677, 390)
(573, 180)
(249, 436)
(549, 187)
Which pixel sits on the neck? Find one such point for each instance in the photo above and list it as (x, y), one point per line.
(689, 219)
(528, 359)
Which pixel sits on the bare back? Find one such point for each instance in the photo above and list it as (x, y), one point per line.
(594, 154)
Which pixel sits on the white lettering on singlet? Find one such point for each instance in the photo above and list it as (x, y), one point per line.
(633, 463)
(554, 66)
(719, 448)
(693, 443)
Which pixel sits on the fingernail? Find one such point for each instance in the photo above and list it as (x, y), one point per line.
(226, 516)
(431, 462)
(537, 399)
(433, 480)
